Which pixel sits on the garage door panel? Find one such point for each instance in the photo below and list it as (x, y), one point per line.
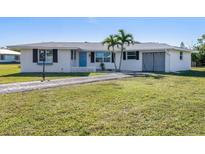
(153, 61)
(159, 62)
(148, 62)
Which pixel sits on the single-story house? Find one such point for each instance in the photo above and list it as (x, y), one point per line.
(87, 57)
(9, 56)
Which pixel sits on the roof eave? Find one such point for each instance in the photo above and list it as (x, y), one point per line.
(181, 49)
(40, 47)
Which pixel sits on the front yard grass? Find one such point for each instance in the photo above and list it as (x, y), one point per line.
(11, 73)
(167, 104)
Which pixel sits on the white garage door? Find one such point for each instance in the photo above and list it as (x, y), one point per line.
(153, 62)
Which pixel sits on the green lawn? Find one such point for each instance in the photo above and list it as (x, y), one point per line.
(11, 73)
(167, 104)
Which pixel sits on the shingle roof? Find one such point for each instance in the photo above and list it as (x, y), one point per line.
(8, 52)
(95, 46)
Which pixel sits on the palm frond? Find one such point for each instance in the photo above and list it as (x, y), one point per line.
(123, 37)
(108, 47)
(121, 33)
(110, 41)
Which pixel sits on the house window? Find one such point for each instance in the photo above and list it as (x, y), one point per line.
(48, 56)
(103, 57)
(99, 56)
(2, 57)
(181, 55)
(133, 55)
(107, 56)
(16, 57)
(73, 54)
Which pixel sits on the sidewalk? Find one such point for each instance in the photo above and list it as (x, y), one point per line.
(27, 86)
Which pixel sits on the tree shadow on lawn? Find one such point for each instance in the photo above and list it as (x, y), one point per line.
(47, 74)
(149, 74)
(190, 73)
(160, 75)
(155, 76)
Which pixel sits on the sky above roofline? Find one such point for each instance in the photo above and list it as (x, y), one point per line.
(164, 30)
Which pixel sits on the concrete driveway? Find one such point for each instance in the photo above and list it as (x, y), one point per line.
(27, 86)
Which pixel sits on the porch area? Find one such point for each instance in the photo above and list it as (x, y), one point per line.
(80, 61)
(90, 61)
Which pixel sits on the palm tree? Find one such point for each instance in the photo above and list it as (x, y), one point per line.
(111, 42)
(123, 39)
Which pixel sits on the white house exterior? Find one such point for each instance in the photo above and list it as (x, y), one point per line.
(87, 56)
(9, 56)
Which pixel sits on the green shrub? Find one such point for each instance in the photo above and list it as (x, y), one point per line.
(102, 65)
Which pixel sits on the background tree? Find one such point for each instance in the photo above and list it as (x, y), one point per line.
(182, 45)
(199, 57)
(111, 42)
(123, 39)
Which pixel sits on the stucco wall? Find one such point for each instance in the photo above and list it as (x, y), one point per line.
(132, 64)
(127, 65)
(179, 65)
(63, 64)
(167, 61)
(172, 62)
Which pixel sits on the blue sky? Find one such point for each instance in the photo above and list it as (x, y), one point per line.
(165, 30)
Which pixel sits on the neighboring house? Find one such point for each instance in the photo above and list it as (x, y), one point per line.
(87, 56)
(9, 56)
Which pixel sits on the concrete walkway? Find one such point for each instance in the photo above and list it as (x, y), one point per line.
(27, 86)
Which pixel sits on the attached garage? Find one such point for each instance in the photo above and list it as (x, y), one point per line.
(153, 62)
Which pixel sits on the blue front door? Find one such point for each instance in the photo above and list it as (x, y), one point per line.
(82, 59)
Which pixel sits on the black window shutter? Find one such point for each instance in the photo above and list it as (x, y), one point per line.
(71, 54)
(113, 57)
(74, 55)
(92, 58)
(35, 55)
(124, 55)
(137, 55)
(55, 55)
